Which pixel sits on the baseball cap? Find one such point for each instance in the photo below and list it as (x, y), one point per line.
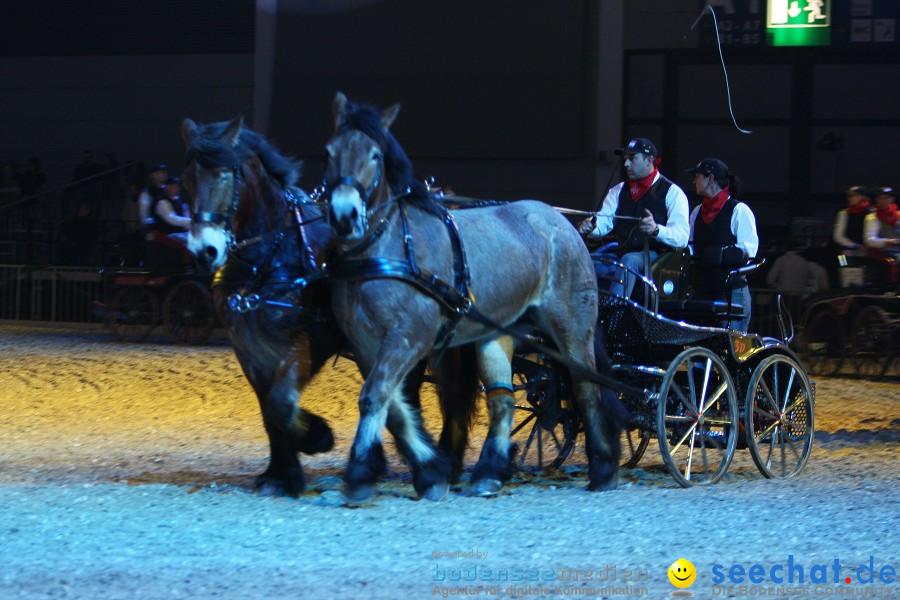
(638, 146)
(173, 179)
(858, 190)
(886, 191)
(710, 166)
(159, 167)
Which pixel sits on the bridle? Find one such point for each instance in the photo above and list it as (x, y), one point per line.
(215, 218)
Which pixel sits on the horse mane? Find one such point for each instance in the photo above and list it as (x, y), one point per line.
(209, 149)
(398, 168)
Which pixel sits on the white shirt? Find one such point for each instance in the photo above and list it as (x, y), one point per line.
(743, 226)
(674, 233)
(873, 230)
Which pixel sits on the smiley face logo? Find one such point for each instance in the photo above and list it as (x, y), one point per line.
(682, 573)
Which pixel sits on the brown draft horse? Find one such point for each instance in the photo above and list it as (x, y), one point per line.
(268, 241)
(398, 254)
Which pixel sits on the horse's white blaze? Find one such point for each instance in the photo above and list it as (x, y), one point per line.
(344, 200)
(419, 448)
(213, 237)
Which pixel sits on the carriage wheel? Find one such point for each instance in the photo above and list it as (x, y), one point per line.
(697, 418)
(133, 313)
(825, 343)
(546, 422)
(873, 338)
(634, 444)
(780, 415)
(188, 313)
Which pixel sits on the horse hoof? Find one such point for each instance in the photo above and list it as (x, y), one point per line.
(604, 486)
(358, 494)
(486, 488)
(436, 492)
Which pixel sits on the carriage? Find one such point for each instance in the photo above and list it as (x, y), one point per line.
(708, 391)
(139, 300)
(706, 386)
(856, 330)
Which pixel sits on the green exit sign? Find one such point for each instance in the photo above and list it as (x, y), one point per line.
(799, 22)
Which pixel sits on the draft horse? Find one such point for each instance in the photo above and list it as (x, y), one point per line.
(267, 242)
(407, 275)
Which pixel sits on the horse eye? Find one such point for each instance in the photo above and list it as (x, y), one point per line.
(376, 155)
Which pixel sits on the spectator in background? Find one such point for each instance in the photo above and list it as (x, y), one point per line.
(112, 189)
(793, 274)
(78, 236)
(87, 168)
(9, 183)
(32, 179)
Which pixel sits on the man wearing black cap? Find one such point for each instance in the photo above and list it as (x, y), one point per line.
(723, 236)
(647, 205)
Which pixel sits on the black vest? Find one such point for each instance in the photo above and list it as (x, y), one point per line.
(626, 232)
(156, 223)
(854, 230)
(709, 280)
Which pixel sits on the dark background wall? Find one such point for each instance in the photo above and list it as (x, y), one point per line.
(502, 98)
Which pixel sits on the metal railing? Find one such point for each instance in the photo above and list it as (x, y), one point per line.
(51, 294)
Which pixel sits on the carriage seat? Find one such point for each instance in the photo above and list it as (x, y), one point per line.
(704, 311)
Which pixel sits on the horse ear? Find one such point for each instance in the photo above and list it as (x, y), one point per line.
(389, 114)
(188, 129)
(339, 108)
(233, 130)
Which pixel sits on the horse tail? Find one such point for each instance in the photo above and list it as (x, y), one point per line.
(456, 376)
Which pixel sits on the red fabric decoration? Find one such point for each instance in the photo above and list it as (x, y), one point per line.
(711, 206)
(639, 187)
(855, 209)
(888, 215)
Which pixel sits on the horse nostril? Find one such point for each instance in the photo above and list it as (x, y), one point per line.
(211, 253)
(354, 215)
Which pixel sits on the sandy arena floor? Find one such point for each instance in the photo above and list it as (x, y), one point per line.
(126, 472)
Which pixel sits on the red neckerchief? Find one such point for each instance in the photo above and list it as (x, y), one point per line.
(639, 187)
(711, 206)
(856, 209)
(888, 215)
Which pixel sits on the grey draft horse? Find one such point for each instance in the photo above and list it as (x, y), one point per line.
(405, 280)
(268, 242)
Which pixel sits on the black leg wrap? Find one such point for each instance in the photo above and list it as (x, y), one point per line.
(434, 473)
(603, 466)
(317, 436)
(368, 470)
(494, 464)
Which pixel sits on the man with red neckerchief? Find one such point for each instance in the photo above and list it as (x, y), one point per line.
(880, 229)
(723, 235)
(848, 225)
(881, 234)
(648, 205)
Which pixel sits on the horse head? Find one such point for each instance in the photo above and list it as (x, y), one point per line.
(236, 181)
(366, 166)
